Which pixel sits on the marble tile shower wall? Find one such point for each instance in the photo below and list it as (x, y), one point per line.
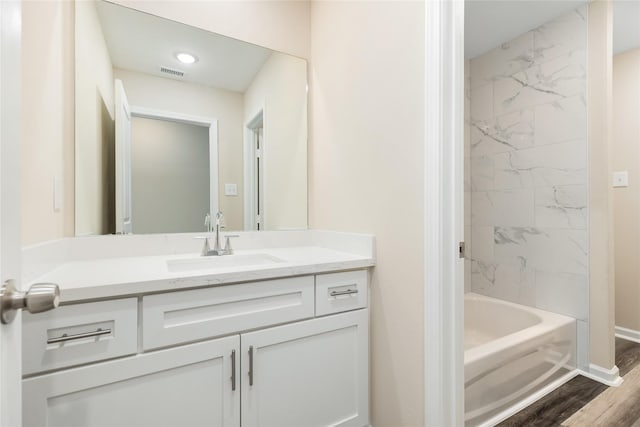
(467, 174)
(528, 168)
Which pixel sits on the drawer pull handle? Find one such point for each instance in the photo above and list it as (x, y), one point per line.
(233, 370)
(347, 292)
(251, 365)
(65, 337)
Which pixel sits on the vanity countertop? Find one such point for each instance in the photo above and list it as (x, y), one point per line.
(119, 276)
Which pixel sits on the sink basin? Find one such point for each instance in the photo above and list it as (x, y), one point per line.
(224, 261)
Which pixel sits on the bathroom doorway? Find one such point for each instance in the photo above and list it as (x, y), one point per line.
(526, 224)
(170, 176)
(254, 173)
(163, 187)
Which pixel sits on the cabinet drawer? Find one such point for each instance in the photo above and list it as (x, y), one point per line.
(337, 292)
(185, 316)
(81, 333)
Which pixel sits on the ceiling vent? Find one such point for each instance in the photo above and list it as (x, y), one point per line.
(171, 71)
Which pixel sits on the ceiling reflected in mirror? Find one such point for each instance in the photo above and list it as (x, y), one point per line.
(145, 43)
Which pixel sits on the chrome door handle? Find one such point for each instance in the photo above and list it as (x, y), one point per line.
(65, 337)
(40, 297)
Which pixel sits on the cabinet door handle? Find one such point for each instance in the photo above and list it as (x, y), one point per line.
(233, 370)
(65, 337)
(251, 365)
(347, 292)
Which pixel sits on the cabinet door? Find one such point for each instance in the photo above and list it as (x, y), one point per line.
(307, 374)
(186, 386)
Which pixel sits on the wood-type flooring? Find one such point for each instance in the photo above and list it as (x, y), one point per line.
(582, 402)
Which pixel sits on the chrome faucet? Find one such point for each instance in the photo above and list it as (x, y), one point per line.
(217, 250)
(207, 222)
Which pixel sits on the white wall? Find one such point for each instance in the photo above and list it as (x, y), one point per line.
(47, 119)
(601, 265)
(366, 175)
(169, 176)
(280, 90)
(626, 157)
(95, 128)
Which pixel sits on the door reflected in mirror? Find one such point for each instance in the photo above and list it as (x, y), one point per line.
(174, 123)
(171, 175)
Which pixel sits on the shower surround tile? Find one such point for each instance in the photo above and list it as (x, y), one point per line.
(482, 244)
(565, 34)
(505, 133)
(561, 121)
(504, 60)
(562, 292)
(527, 180)
(481, 172)
(511, 283)
(562, 206)
(559, 78)
(481, 102)
(467, 174)
(556, 164)
(502, 208)
(547, 249)
(541, 84)
(513, 93)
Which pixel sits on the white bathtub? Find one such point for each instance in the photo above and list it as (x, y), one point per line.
(511, 351)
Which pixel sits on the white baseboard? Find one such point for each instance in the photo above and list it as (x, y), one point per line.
(610, 377)
(512, 410)
(628, 334)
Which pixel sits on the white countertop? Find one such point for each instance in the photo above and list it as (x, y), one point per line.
(100, 278)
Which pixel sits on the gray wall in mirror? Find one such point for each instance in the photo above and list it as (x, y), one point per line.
(170, 175)
(246, 89)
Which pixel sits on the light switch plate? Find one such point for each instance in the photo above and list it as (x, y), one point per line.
(231, 189)
(621, 179)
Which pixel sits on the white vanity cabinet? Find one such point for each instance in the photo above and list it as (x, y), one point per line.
(183, 386)
(307, 374)
(248, 354)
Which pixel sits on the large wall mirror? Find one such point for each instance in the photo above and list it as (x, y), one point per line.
(174, 123)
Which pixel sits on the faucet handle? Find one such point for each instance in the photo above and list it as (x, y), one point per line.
(205, 248)
(227, 243)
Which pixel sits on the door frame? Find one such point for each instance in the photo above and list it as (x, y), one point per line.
(208, 122)
(444, 214)
(10, 206)
(123, 223)
(249, 175)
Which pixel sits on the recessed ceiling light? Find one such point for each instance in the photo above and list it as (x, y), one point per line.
(186, 58)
